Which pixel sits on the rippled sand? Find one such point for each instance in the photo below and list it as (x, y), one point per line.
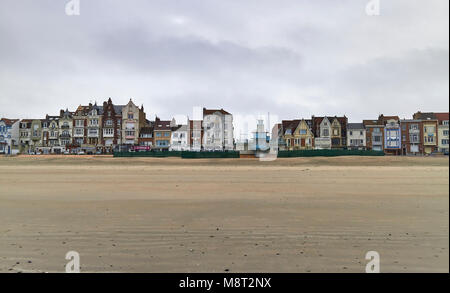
(241, 215)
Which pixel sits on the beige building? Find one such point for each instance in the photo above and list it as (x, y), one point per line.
(133, 119)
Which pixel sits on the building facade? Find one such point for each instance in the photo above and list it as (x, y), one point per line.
(25, 136)
(321, 127)
(162, 133)
(218, 130)
(133, 119)
(9, 136)
(443, 132)
(65, 130)
(392, 134)
(411, 132)
(111, 126)
(180, 138)
(374, 135)
(356, 136)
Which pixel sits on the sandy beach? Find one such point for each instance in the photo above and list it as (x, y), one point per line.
(236, 215)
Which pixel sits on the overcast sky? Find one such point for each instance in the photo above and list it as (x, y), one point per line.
(290, 58)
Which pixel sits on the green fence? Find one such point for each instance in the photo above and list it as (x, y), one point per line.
(179, 154)
(148, 154)
(328, 153)
(209, 155)
(234, 154)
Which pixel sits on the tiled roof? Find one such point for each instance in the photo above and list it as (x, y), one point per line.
(161, 125)
(146, 130)
(212, 111)
(355, 126)
(441, 117)
(9, 122)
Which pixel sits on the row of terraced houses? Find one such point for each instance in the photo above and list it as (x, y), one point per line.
(108, 127)
(424, 133)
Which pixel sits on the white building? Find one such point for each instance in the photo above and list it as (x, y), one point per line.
(323, 139)
(179, 140)
(218, 130)
(9, 136)
(195, 132)
(356, 136)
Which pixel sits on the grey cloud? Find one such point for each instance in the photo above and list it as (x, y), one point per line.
(292, 58)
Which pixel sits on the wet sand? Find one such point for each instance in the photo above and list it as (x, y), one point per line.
(216, 215)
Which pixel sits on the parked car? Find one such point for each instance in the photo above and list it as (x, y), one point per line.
(67, 153)
(81, 153)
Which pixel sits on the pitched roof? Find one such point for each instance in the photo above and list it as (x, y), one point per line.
(118, 108)
(161, 125)
(212, 111)
(290, 124)
(442, 117)
(355, 126)
(9, 122)
(372, 123)
(424, 116)
(182, 127)
(146, 130)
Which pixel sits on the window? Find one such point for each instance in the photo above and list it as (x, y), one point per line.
(166, 134)
(94, 122)
(79, 123)
(303, 131)
(361, 132)
(414, 127)
(325, 132)
(79, 131)
(445, 142)
(446, 132)
(108, 131)
(445, 122)
(130, 115)
(109, 122)
(158, 134)
(377, 138)
(351, 133)
(93, 132)
(414, 138)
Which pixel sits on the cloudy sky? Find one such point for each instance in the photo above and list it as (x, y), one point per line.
(291, 58)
